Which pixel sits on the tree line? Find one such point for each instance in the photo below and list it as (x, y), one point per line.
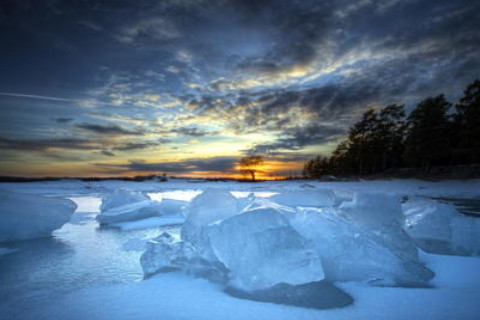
(436, 133)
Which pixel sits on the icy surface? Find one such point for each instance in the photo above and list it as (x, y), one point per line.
(376, 210)
(465, 235)
(206, 208)
(173, 207)
(439, 228)
(261, 250)
(27, 216)
(96, 278)
(121, 197)
(306, 198)
(133, 211)
(353, 252)
(149, 222)
(163, 252)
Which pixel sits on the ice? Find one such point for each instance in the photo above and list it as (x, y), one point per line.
(210, 206)
(163, 253)
(121, 197)
(306, 198)
(261, 250)
(133, 211)
(439, 228)
(382, 213)
(28, 216)
(351, 251)
(173, 207)
(377, 210)
(465, 235)
(429, 223)
(149, 222)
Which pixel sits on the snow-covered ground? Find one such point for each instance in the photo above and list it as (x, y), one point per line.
(87, 271)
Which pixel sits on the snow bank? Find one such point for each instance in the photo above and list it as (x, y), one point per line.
(121, 197)
(306, 198)
(439, 228)
(27, 216)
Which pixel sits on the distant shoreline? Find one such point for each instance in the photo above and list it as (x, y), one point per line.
(461, 172)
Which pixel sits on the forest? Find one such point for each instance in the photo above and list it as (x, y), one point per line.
(436, 133)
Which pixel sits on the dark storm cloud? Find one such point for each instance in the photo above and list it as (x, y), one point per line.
(108, 129)
(223, 164)
(107, 153)
(192, 132)
(63, 120)
(46, 144)
(140, 145)
(75, 144)
(296, 138)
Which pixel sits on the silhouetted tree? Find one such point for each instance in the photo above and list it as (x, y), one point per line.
(428, 140)
(249, 165)
(390, 133)
(467, 121)
(431, 135)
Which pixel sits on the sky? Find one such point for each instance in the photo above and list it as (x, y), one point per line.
(188, 87)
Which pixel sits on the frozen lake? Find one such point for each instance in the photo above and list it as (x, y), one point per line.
(80, 255)
(86, 271)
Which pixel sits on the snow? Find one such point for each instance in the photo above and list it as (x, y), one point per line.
(25, 216)
(261, 250)
(306, 198)
(179, 296)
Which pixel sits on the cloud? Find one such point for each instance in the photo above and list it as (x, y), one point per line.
(192, 132)
(140, 145)
(63, 120)
(34, 96)
(46, 144)
(223, 164)
(297, 138)
(107, 153)
(113, 129)
(152, 28)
